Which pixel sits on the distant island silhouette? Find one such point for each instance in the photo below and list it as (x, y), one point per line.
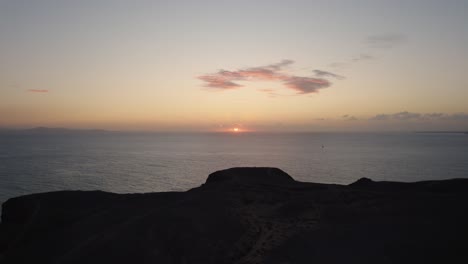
(53, 131)
(243, 215)
(442, 132)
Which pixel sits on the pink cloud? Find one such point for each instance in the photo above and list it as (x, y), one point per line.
(266, 90)
(224, 79)
(37, 91)
(219, 81)
(305, 85)
(261, 74)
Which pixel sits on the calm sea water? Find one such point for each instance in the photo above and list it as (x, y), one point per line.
(132, 162)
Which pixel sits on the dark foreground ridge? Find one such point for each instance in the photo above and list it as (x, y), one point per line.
(243, 215)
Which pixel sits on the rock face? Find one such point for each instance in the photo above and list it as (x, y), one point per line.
(243, 215)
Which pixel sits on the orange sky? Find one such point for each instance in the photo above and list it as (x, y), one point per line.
(279, 66)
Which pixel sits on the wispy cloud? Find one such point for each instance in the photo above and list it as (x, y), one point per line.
(362, 57)
(382, 41)
(279, 65)
(320, 73)
(337, 65)
(385, 40)
(224, 79)
(405, 116)
(219, 81)
(398, 116)
(356, 59)
(37, 91)
(349, 118)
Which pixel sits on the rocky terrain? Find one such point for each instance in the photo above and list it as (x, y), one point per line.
(243, 215)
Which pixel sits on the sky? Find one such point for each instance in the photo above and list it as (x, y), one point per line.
(216, 65)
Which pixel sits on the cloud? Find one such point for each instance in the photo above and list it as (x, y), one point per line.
(320, 73)
(362, 57)
(349, 118)
(405, 116)
(37, 91)
(385, 40)
(397, 116)
(218, 81)
(266, 90)
(270, 92)
(305, 85)
(380, 117)
(348, 63)
(224, 79)
(338, 65)
(280, 65)
(374, 41)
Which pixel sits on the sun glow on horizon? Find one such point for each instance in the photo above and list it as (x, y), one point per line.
(237, 130)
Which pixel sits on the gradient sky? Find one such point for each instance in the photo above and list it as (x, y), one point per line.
(213, 65)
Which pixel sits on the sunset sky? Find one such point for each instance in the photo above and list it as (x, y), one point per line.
(215, 65)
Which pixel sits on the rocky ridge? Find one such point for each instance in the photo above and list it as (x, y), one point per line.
(243, 215)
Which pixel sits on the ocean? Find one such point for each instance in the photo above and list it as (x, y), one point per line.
(155, 162)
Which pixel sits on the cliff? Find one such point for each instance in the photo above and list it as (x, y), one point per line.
(243, 215)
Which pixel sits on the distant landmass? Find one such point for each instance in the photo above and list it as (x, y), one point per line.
(52, 131)
(243, 215)
(443, 132)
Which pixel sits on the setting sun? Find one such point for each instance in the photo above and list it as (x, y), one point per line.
(235, 129)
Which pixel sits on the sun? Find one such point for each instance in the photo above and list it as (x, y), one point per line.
(236, 129)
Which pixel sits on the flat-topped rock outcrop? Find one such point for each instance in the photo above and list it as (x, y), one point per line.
(250, 175)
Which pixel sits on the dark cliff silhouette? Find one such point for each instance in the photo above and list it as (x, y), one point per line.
(243, 215)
